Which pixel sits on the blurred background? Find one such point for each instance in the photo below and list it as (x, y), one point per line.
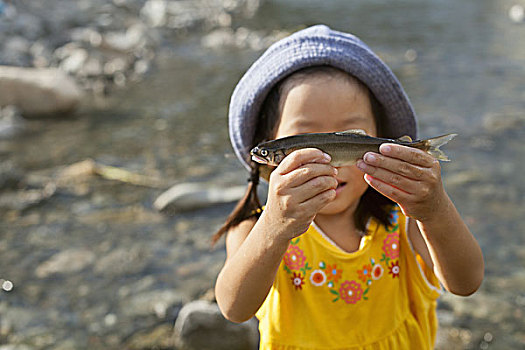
(107, 104)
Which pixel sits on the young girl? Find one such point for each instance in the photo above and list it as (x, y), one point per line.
(348, 257)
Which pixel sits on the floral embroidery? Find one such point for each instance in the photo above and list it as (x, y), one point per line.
(297, 281)
(294, 258)
(334, 274)
(350, 292)
(324, 273)
(365, 273)
(377, 272)
(391, 245)
(394, 269)
(318, 278)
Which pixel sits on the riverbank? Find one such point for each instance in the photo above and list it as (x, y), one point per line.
(88, 262)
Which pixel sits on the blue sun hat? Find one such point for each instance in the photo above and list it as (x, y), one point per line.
(314, 46)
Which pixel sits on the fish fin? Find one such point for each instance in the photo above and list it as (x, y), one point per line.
(436, 142)
(405, 138)
(353, 131)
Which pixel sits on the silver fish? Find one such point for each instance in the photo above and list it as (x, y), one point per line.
(344, 147)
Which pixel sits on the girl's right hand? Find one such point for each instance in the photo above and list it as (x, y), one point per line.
(302, 184)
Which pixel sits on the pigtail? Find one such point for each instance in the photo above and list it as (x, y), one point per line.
(247, 207)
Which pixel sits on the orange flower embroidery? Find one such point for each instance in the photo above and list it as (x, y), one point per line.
(366, 273)
(333, 273)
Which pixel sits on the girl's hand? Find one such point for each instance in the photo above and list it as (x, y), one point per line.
(302, 184)
(408, 176)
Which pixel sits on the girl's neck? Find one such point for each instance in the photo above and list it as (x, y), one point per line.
(341, 229)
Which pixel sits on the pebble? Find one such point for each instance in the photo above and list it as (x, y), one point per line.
(517, 13)
(68, 261)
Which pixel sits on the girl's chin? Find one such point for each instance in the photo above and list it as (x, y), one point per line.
(337, 206)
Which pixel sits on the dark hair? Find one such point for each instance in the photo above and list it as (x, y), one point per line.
(372, 203)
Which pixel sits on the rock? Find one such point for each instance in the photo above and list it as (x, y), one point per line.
(74, 62)
(38, 91)
(16, 347)
(127, 41)
(67, 261)
(191, 196)
(122, 261)
(201, 326)
(156, 302)
(11, 121)
(24, 199)
(517, 13)
(154, 12)
(497, 123)
(10, 176)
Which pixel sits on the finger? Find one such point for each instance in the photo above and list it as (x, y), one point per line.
(394, 179)
(318, 201)
(389, 191)
(315, 186)
(403, 168)
(307, 172)
(408, 154)
(301, 157)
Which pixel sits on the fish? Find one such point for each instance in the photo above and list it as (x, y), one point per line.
(344, 147)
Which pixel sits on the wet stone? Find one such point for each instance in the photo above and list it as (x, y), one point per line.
(201, 326)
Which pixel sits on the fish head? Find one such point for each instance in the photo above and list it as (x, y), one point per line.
(268, 156)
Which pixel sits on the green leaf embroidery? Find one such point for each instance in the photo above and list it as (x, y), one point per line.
(336, 299)
(305, 268)
(295, 242)
(334, 292)
(394, 228)
(287, 269)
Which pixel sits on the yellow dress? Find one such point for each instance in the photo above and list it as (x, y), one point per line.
(380, 297)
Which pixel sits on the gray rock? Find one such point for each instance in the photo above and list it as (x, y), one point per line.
(67, 261)
(11, 122)
(23, 199)
(122, 261)
(156, 302)
(10, 176)
(38, 91)
(201, 326)
(191, 196)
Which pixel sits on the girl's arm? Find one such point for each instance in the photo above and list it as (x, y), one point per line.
(299, 187)
(412, 178)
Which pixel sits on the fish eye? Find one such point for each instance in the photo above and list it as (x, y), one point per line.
(264, 152)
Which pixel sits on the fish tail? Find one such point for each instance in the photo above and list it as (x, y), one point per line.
(435, 143)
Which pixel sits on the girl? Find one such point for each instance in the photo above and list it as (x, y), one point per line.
(348, 257)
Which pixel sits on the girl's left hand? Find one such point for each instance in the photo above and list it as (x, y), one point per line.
(408, 176)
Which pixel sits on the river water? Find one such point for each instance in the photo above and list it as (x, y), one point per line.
(461, 63)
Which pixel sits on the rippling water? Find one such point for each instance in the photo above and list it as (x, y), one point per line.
(461, 63)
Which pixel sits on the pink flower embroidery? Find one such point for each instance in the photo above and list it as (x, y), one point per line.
(294, 258)
(297, 281)
(350, 292)
(391, 245)
(394, 269)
